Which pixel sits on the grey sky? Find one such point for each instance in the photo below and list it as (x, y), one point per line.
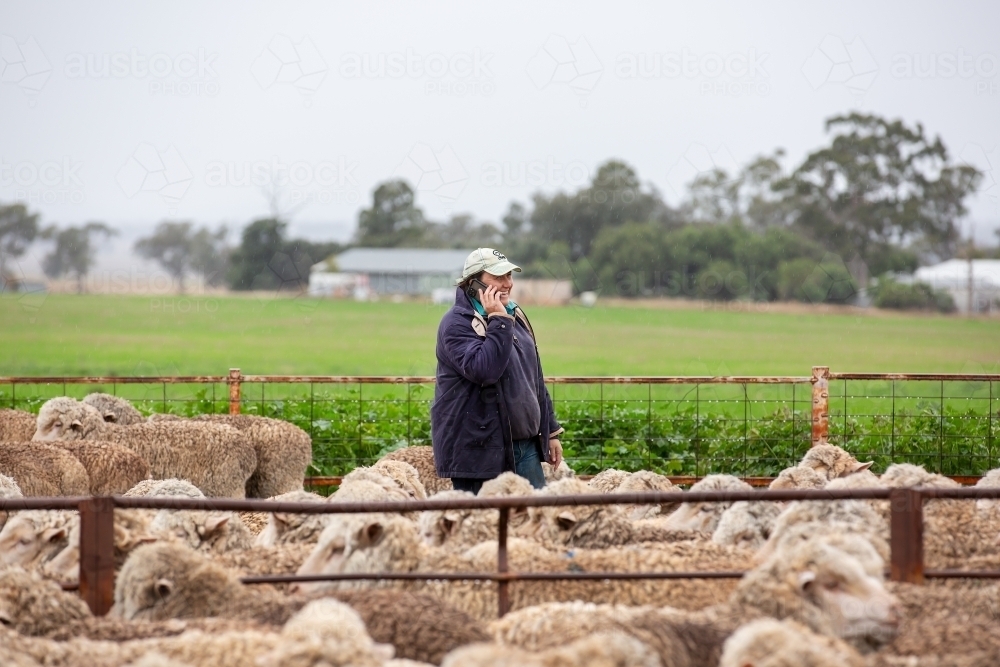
(482, 103)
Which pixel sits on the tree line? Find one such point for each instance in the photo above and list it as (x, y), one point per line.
(880, 198)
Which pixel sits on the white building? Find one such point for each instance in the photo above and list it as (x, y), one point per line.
(387, 271)
(956, 275)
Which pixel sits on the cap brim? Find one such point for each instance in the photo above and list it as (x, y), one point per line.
(503, 268)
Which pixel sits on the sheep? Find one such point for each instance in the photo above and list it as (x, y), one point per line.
(832, 462)
(460, 529)
(987, 506)
(111, 468)
(165, 580)
(405, 475)
(34, 606)
(422, 458)
(798, 477)
(170, 487)
(554, 474)
(601, 650)
(643, 481)
(114, 409)
(607, 480)
(32, 537)
(369, 483)
(43, 470)
(292, 527)
(377, 543)
(16, 425)
(767, 642)
(904, 475)
(326, 632)
(283, 450)
(265, 560)
(747, 524)
(131, 528)
(705, 516)
(215, 532)
(821, 516)
(814, 583)
(216, 458)
(592, 526)
(8, 489)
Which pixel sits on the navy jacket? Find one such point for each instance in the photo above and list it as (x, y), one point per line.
(469, 424)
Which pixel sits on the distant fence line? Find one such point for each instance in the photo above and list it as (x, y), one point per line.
(680, 425)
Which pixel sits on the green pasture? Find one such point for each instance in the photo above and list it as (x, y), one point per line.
(134, 335)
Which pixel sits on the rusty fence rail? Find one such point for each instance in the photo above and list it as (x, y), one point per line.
(681, 426)
(97, 558)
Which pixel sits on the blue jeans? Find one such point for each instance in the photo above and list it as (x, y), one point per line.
(527, 464)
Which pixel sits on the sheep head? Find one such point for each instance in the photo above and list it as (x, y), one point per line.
(825, 587)
(832, 462)
(34, 536)
(65, 418)
(705, 517)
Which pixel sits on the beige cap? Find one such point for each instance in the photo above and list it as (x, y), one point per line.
(492, 261)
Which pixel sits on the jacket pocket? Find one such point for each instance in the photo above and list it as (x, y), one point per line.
(482, 433)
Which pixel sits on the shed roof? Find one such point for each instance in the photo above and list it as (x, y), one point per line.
(955, 273)
(402, 260)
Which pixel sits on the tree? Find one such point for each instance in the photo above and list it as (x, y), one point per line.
(74, 251)
(171, 246)
(614, 197)
(266, 260)
(878, 185)
(393, 220)
(18, 229)
(180, 249)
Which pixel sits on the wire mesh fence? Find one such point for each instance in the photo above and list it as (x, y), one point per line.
(690, 426)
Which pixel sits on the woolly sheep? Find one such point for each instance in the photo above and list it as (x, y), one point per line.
(705, 516)
(292, 527)
(111, 468)
(164, 580)
(366, 483)
(593, 526)
(16, 425)
(422, 458)
(405, 475)
(644, 481)
(601, 650)
(31, 537)
(171, 487)
(8, 489)
(554, 474)
(904, 475)
(43, 470)
(378, 543)
(216, 458)
(814, 583)
(283, 450)
(131, 528)
(114, 409)
(33, 606)
(853, 516)
(607, 480)
(747, 524)
(798, 477)
(461, 529)
(832, 462)
(771, 643)
(991, 479)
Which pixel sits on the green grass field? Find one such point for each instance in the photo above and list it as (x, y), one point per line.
(134, 335)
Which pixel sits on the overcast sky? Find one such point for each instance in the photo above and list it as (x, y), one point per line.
(132, 113)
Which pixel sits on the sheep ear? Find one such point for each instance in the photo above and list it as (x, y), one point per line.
(448, 524)
(164, 587)
(566, 520)
(76, 425)
(371, 534)
(53, 534)
(110, 418)
(214, 522)
(858, 467)
(805, 578)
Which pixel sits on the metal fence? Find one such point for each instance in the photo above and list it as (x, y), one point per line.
(97, 551)
(680, 426)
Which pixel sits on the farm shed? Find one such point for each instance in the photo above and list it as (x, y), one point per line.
(956, 275)
(415, 271)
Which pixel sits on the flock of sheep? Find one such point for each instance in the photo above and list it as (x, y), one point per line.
(814, 594)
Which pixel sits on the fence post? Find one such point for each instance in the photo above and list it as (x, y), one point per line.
(97, 553)
(820, 404)
(234, 391)
(503, 586)
(906, 536)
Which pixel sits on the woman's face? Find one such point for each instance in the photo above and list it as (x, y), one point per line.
(504, 284)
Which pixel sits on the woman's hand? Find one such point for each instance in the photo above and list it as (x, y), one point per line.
(491, 301)
(555, 452)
